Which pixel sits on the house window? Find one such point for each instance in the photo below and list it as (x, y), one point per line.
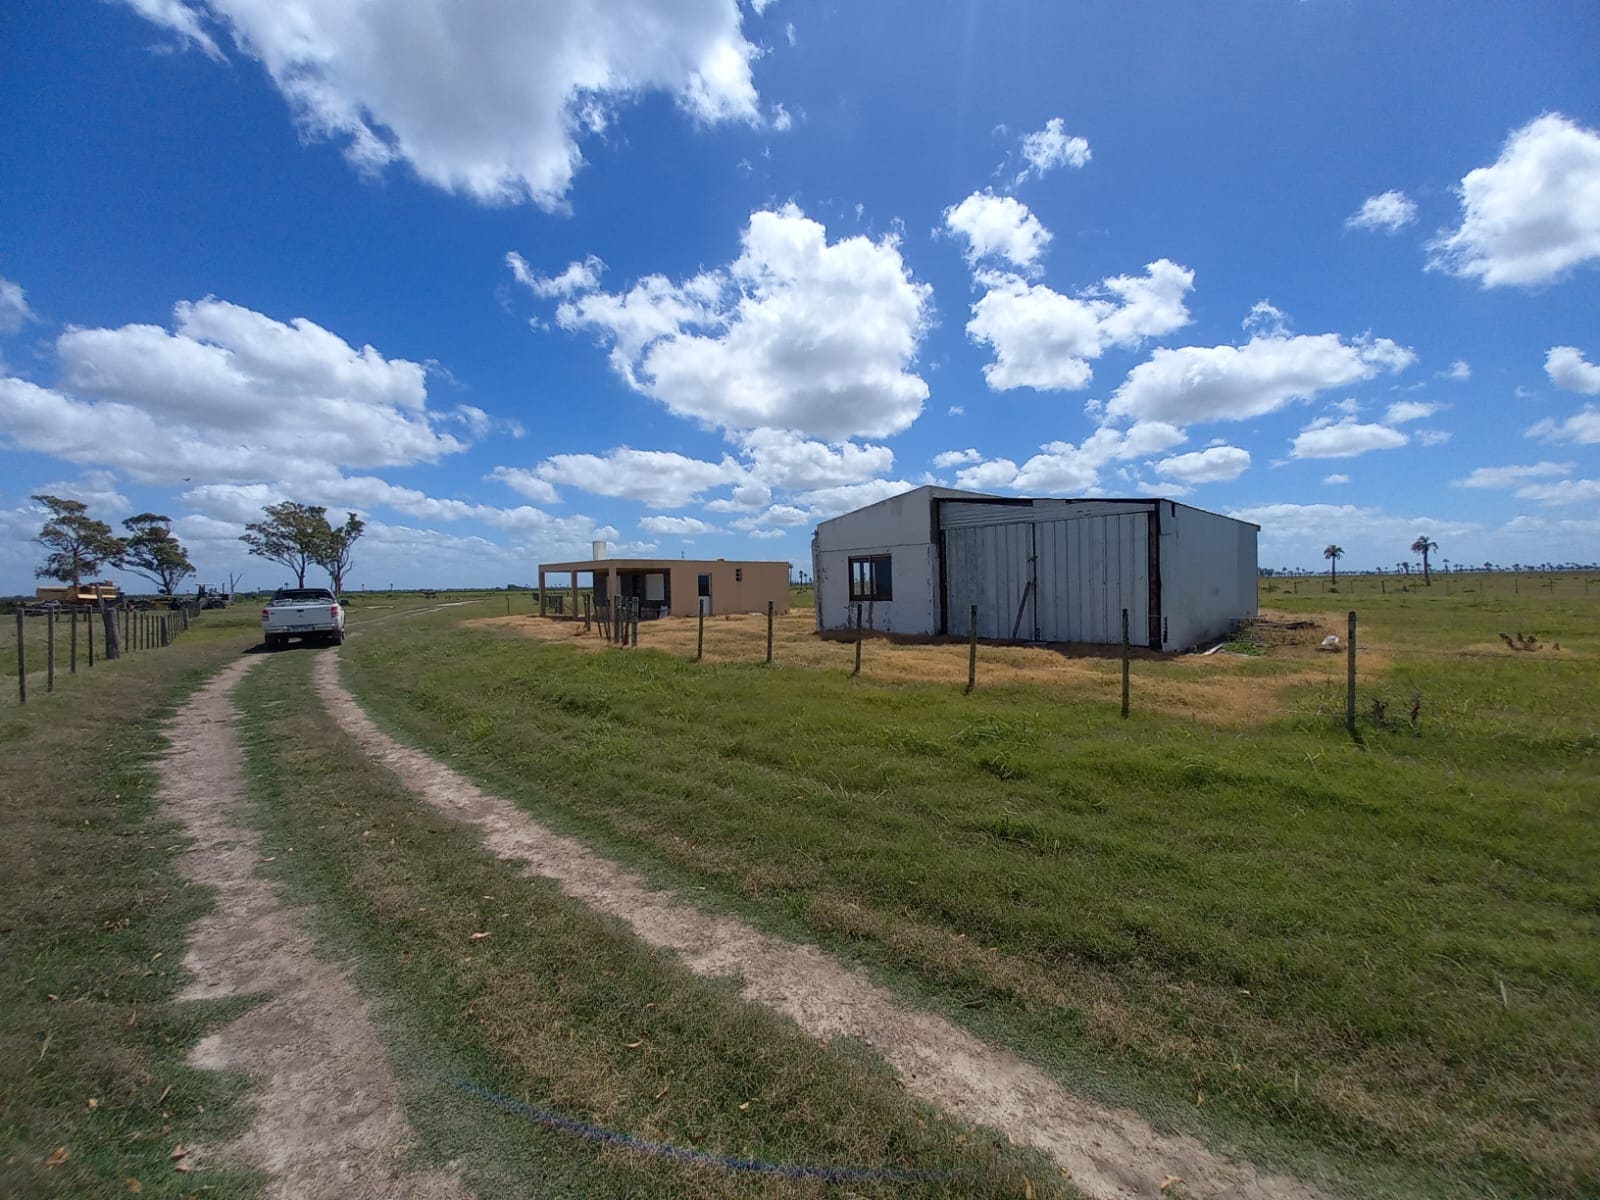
(738, 574)
(871, 578)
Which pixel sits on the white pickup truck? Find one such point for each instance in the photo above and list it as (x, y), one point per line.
(302, 613)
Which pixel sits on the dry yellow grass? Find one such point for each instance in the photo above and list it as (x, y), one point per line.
(1223, 689)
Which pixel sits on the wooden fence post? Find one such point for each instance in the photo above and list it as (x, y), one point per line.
(857, 671)
(700, 634)
(88, 632)
(108, 621)
(769, 633)
(1124, 662)
(50, 651)
(1350, 676)
(22, 661)
(72, 613)
(972, 652)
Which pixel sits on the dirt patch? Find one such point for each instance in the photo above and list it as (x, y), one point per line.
(1108, 1152)
(327, 1122)
(1233, 690)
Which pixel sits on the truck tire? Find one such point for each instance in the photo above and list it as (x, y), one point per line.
(337, 639)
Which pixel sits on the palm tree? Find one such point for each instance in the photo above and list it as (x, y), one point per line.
(1333, 554)
(1424, 547)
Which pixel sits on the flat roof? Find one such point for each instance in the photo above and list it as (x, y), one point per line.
(658, 564)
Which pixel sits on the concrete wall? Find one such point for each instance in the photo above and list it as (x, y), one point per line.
(901, 527)
(730, 593)
(1208, 574)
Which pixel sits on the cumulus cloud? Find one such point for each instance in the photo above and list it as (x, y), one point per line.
(1505, 477)
(1062, 468)
(658, 478)
(1215, 464)
(781, 458)
(1311, 524)
(1233, 383)
(1460, 371)
(796, 333)
(676, 526)
(1389, 212)
(1531, 216)
(577, 277)
(1582, 428)
(1568, 369)
(480, 97)
(1403, 411)
(998, 227)
(1051, 147)
(1043, 339)
(14, 310)
(1335, 479)
(525, 483)
(227, 394)
(830, 502)
(1568, 491)
(956, 458)
(97, 489)
(1324, 438)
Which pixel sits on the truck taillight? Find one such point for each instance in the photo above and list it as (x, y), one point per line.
(264, 613)
(333, 610)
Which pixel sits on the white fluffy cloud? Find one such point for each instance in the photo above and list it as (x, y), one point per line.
(1567, 368)
(1215, 464)
(97, 489)
(1335, 479)
(1531, 216)
(956, 458)
(1388, 211)
(781, 458)
(1460, 371)
(1232, 383)
(676, 526)
(1324, 438)
(795, 334)
(1582, 427)
(229, 394)
(1404, 411)
(998, 227)
(14, 310)
(1568, 491)
(1043, 339)
(525, 483)
(1504, 477)
(481, 97)
(1062, 468)
(577, 277)
(830, 502)
(1051, 147)
(658, 478)
(1291, 526)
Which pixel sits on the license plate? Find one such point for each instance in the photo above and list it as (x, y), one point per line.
(300, 628)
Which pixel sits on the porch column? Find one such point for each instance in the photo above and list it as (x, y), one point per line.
(574, 593)
(541, 592)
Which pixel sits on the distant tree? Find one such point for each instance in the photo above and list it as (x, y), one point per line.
(293, 534)
(1403, 566)
(1333, 554)
(1424, 547)
(151, 551)
(333, 555)
(78, 544)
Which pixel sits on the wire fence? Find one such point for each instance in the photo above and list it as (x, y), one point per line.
(77, 634)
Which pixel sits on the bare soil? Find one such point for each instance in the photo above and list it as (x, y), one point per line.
(1107, 1152)
(1219, 689)
(328, 1124)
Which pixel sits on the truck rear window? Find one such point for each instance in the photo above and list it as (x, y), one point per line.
(308, 596)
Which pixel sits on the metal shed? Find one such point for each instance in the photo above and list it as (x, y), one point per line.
(1038, 569)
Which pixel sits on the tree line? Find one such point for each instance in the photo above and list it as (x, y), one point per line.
(299, 536)
(1423, 546)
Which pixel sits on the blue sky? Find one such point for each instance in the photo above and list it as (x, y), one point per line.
(693, 275)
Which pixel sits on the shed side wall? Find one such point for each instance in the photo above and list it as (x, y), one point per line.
(1208, 574)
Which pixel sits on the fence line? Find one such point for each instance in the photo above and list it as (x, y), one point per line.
(138, 631)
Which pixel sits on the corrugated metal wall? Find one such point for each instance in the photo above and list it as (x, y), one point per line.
(1086, 569)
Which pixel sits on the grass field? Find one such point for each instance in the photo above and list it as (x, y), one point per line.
(1375, 956)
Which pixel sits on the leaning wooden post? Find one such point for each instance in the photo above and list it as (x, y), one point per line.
(22, 661)
(637, 605)
(972, 651)
(50, 652)
(1350, 676)
(857, 671)
(769, 633)
(700, 635)
(108, 620)
(72, 613)
(1124, 662)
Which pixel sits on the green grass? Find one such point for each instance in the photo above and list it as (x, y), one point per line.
(1272, 935)
(563, 1009)
(92, 922)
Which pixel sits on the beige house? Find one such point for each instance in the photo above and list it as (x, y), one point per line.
(665, 587)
